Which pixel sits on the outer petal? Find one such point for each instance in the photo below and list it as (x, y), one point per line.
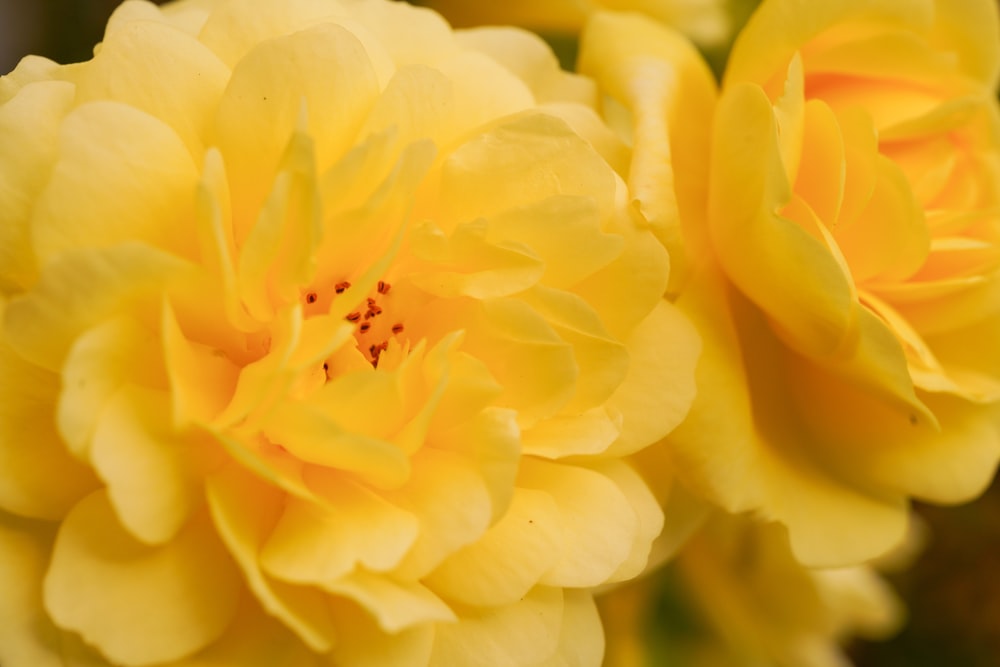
(139, 605)
(154, 181)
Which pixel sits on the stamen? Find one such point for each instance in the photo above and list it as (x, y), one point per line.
(340, 287)
(397, 328)
(365, 326)
(311, 297)
(354, 317)
(383, 287)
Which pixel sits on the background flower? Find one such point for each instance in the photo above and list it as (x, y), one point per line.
(848, 322)
(307, 373)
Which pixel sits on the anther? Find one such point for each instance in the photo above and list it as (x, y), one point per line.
(340, 287)
(397, 328)
(311, 297)
(365, 326)
(383, 287)
(354, 317)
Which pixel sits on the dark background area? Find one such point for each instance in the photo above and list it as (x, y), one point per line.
(953, 590)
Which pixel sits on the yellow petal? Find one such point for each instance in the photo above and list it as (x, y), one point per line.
(669, 92)
(42, 480)
(396, 605)
(520, 162)
(278, 254)
(147, 65)
(362, 643)
(522, 633)
(452, 503)
(114, 353)
(509, 559)
(244, 511)
(154, 179)
(27, 637)
(598, 518)
(29, 124)
(324, 69)
(139, 605)
(465, 263)
(491, 441)
(314, 544)
(531, 60)
(581, 635)
(80, 290)
(151, 473)
(761, 251)
(660, 386)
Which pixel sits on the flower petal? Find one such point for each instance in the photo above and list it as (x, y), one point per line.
(139, 605)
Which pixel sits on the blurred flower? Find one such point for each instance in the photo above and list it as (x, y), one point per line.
(749, 602)
(295, 366)
(847, 286)
(707, 22)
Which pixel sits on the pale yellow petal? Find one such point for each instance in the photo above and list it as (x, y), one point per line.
(522, 633)
(454, 507)
(152, 474)
(29, 124)
(658, 391)
(325, 70)
(139, 605)
(146, 65)
(509, 559)
(362, 643)
(314, 544)
(395, 604)
(80, 290)
(41, 479)
(154, 181)
(114, 353)
(245, 511)
(581, 635)
(599, 521)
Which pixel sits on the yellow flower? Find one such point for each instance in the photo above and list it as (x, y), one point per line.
(748, 602)
(844, 263)
(853, 208)
(324, 332)
(707, 22)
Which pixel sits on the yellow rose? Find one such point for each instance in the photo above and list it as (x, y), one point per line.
(842, 255)
(851, 326)
(744, 600)
(295, 367)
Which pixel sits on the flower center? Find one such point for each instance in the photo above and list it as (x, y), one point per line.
(374, 325)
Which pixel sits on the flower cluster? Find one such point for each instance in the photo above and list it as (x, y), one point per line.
(333, 335)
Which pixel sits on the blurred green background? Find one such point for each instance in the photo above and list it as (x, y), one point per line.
(953, 590)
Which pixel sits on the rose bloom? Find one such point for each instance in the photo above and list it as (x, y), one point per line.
(842, 256)
(746, 601)
(325, 331)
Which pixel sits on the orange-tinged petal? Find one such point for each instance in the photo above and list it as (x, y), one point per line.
(99, 578)
(761, 251)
